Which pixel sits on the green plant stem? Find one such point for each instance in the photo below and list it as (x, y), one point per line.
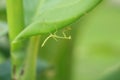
(30, 66)
(15, 18)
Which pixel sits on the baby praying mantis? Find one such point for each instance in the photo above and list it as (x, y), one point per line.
(55, 36)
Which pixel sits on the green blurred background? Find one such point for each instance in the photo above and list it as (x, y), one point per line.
(93, 53)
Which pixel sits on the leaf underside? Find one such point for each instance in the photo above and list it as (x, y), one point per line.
(45, 16)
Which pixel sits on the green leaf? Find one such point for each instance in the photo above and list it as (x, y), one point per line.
(45, 16)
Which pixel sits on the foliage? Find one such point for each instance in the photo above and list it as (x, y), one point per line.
(92, 54)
